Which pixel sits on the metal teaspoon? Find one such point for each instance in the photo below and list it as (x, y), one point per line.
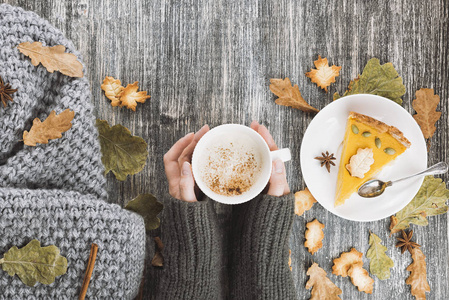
(375, 187)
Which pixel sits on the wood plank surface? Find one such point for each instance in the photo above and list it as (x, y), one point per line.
(211, 61)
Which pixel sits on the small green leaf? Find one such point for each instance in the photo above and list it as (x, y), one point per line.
(377, 79)
(429, 201)
(34, 263)
(148, 207)
(380, 264)
(122, 153)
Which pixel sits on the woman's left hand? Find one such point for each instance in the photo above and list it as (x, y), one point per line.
(278, 185)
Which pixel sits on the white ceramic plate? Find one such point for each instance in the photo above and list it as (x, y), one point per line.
(326, 132)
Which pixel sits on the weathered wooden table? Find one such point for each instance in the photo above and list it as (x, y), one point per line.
(211, 61)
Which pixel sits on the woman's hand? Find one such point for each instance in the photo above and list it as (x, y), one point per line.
(278, 185)
(177, 166)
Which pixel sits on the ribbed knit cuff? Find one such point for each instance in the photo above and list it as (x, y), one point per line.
(259, 255)
(72, 222)
(192, 251)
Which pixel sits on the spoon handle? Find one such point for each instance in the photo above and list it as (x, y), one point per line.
(439, 168)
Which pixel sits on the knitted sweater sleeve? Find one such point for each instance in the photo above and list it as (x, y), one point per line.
(192, 252)
(259, 254)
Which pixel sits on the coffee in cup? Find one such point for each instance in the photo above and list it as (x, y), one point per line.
(232, 163)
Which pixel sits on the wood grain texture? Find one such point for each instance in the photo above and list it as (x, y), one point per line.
(211, 61)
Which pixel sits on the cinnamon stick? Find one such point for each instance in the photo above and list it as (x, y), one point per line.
(89, 270)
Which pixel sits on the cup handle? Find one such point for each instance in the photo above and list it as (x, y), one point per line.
(282, 154)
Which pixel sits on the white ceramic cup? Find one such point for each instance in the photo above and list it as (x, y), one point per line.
(252, 136)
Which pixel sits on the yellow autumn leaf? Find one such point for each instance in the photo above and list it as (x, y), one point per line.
(129, 96)
(52, 128)
(323, 75)
(52, 58)
(112, 89)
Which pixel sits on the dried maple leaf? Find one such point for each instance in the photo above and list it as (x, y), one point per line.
(377, 79)
(314, 236)
(51, 128)
(122, 153)
(345, 261)
(418, 275)
(52, 58)
(322, 287)
(289, 95)
(429, 201)
(380, 263)
(426, 116)
(303, 201)
(112, 89)
(158, 258)
(361, 162)
(323, 75)
(129, 96)
(360, 278)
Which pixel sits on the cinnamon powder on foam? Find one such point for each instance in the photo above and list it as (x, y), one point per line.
(231, 170)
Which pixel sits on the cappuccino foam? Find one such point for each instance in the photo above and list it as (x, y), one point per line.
(232, 165)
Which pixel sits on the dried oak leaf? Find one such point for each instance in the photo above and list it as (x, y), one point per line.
(158, 258)
(361, 162)
(418, 275)
(429, 201)
(380, 263)
(314, 236)
(289, 95)
(303, 201)
(52, 58)
(360, 278)
(377, 79)
(322, 287)
(323, 75)
(345, 261)
(112, 89)
(52, 128)
(122, 153)
(148, 207)
(426, 116)
(129, 96)
(34, 263)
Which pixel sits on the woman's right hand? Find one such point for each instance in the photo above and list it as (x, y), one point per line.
(177, 166)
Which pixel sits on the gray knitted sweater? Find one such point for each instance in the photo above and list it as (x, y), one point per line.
(258, 258)
(55, 192)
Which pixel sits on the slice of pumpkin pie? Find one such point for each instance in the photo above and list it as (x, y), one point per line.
(368, 146)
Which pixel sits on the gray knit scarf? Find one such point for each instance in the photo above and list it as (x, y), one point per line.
(55, 192)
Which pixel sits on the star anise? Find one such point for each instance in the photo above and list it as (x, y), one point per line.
(5, 92)
(326, 160)
(406, 243)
